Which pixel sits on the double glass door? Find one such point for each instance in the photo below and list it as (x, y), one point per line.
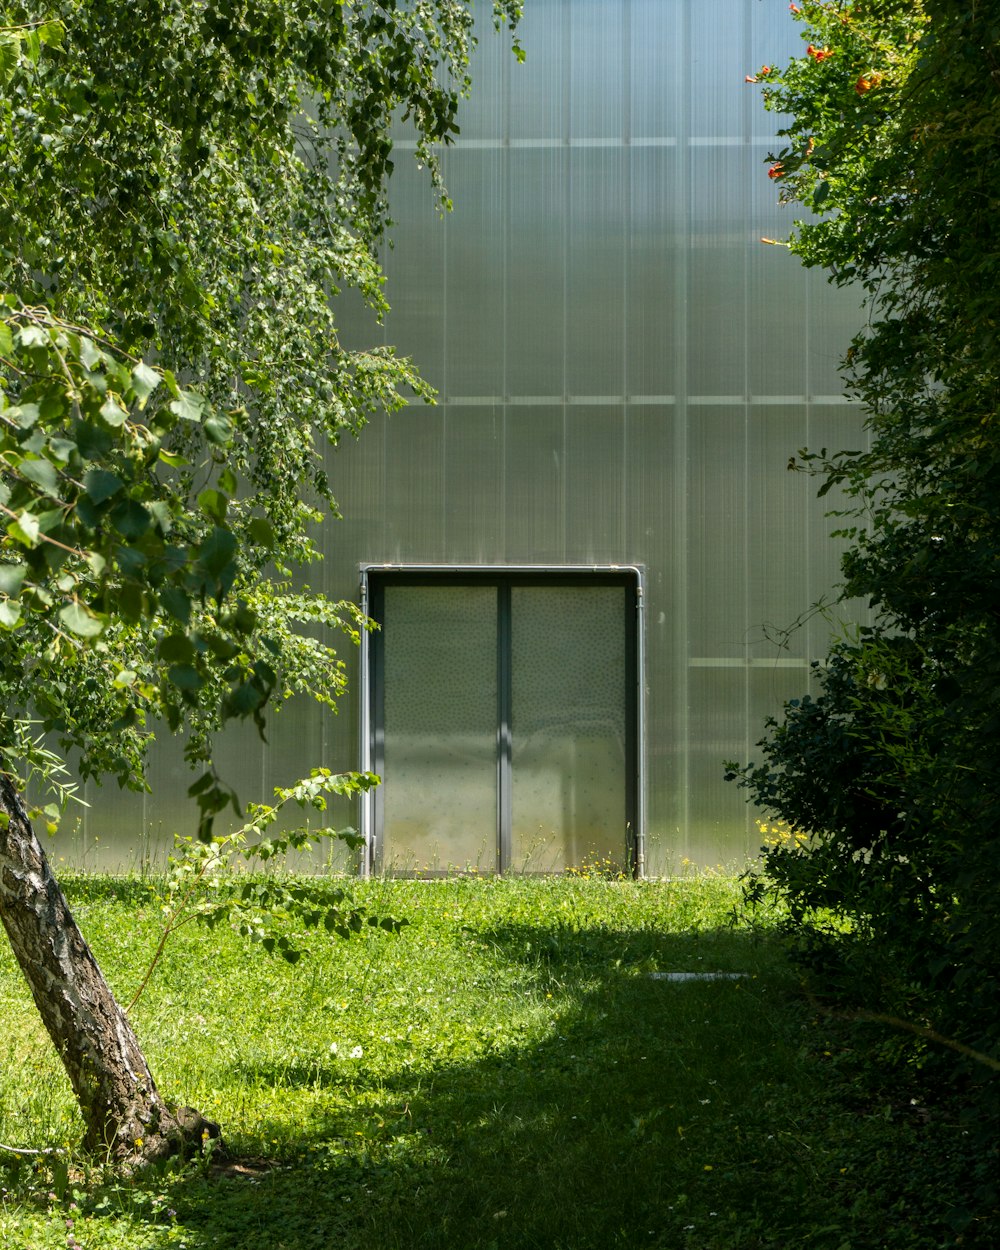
(503, 716)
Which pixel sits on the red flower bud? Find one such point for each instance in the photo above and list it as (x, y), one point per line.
(776, 171)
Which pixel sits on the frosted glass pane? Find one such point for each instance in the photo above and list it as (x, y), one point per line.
(474, 355)
(717, 283)
(536, 269)
(414, 459)
(835, 317)
(777, 298)
(110, 836)
(717, 67)
(295, 746)
(596, 80)
(439, 789)
(655, 486)
(474, 452)
(595, 502)
(415, 271)
(535, 484)
(537, 99)
(654, 61)
(568, 726)
(595, 350)
(356, 470)
(778, 507)
(717, 532)
(481, 116)
(717, 813)
(654, 276)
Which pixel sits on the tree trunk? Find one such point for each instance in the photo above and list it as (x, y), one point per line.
(127, 1121)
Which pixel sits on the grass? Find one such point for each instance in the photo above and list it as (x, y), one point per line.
(504, 1074)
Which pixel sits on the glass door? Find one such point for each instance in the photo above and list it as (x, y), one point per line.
(503, 708)
(439, 729)
(568, 727)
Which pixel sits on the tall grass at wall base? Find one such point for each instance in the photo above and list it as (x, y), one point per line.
(504, 1074)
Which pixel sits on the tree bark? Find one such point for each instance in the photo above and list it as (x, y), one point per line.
(126, 1120)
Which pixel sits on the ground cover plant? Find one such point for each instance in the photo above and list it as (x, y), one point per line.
(502, 1072)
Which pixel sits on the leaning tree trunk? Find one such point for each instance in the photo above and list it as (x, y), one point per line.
(126, 1119)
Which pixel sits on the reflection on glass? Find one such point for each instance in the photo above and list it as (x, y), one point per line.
(440, 728)
(568, 727)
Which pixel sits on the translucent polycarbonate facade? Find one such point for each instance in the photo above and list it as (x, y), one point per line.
(624, 373)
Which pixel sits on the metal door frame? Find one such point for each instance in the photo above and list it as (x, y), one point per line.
(374, 579)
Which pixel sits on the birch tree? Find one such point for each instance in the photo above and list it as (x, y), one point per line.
(186, 188)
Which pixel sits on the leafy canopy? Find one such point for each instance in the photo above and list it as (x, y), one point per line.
(187, 187)
(892, 147)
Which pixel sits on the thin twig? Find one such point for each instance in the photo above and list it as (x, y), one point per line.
(918, 1030)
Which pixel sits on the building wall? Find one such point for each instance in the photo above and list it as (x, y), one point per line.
(623, 370)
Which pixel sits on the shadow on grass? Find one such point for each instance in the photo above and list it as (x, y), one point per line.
(652, 1114)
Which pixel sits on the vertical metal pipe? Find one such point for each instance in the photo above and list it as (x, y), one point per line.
(364, 731)
(640, 726)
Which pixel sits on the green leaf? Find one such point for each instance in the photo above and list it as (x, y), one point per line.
(244, 700)
(129, 603)
(262, 532)
(159, 510)
(185, 677)
(204, 783)
(214, 504)
(130, 519)
(90, 354)
(79, 620)
(176, 603)
(217, 550)
(188, 405)
(10, 54)
(94, 441)
(101, 484)
(51, 33)
(43, 474)
(12, 578)
(24, 529)
(24, 415)
(144, 382)
(175, 461)
(10, 614)
(113, 413)
(32, 336)
(176, 648)
(219, 430)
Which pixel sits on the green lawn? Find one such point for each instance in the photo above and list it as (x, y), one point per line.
(505, 1073)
